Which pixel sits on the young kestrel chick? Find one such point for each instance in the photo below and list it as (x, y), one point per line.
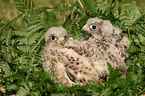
(68, 66)
(105, 31)
(105, 44)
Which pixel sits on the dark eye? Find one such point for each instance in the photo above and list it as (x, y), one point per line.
(53, 38)
(65, 37)
(94, 27)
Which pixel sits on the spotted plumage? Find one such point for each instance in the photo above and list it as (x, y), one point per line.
(68, 66)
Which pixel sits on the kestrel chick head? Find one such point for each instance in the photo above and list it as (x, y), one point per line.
(96, 26)
(56, 35)
(92, 26)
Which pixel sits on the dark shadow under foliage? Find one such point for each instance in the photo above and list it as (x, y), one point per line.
(21, 71)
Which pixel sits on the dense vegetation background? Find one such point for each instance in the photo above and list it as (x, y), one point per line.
(23, 29)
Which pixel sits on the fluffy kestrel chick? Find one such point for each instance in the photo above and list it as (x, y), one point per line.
(101, 45)
(67, 65)
(105, 31)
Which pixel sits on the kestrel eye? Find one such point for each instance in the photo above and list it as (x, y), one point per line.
(54, 38)
(65, 37)
(94, 27)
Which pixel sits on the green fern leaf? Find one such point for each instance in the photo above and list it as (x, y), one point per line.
(35, 27)
(91, 7)
(130, 13)
(139, 25)
(33, 38)
(24, 5)
(10, 24)
(6, 68)
(24, 90)
(12, 87)
(2, 25)
(18, 33)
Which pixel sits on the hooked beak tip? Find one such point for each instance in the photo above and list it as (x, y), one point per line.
(84, 28)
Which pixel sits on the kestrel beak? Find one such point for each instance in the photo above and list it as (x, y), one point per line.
(60, 40)
(84, 28)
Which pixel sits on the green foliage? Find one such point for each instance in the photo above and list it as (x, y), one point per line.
(1, 24)
(21, 71)
(23, 5)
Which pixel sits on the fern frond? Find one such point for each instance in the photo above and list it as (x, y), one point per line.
(35, 27)
(139, 25)
(1, 24)
(129, 14)
(24, 90)
(11, 23)
(38, 10)
(103, 10)
(18, 33)
(12, 87)
(90, 7)
(24, 5)
(6, 69)
(38, 43)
